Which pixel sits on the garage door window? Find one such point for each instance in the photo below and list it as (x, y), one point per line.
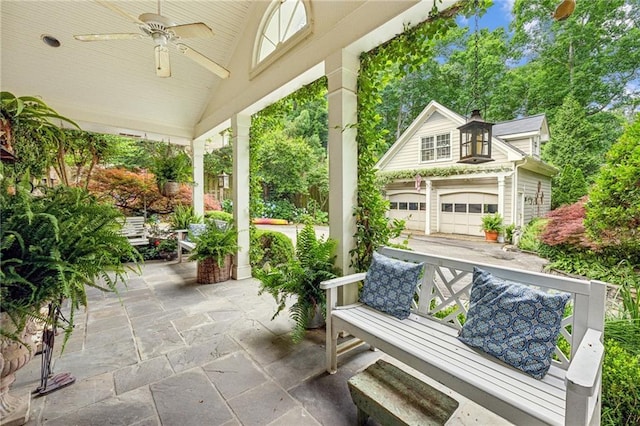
(460, 208)
(447, 207)
(402, 206)
(413, 206)
(491, 208)
(435, 148)
(475, 208)
(393, 205)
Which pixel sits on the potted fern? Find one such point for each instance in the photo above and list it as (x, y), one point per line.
(214, 248)
(300, 278)
(51, 248)
(492, 225)
(171, 167)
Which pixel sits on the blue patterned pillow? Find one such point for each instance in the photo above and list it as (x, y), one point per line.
(195, 229)
(513, 322)
(390, 284)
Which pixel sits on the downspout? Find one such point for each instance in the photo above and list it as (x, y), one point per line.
(514, 196)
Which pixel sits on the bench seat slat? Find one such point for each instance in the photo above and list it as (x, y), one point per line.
(443, 344)
(420, 346)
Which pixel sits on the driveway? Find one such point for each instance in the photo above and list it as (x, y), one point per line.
(463, 247)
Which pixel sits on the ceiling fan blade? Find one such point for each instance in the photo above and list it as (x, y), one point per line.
(194, 30)
(120, 12)
(114, 36)
(163, 66)
(203, 60)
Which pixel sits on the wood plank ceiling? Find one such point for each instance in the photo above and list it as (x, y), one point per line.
(114, 82)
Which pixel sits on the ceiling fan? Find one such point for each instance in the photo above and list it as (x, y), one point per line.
(162, 31)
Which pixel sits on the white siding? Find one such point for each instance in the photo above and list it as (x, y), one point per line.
(523, 145)
(534, 192)
(408, 156)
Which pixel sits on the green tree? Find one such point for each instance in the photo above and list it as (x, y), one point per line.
(613, 210)
(574, 140)
(594, 55)
(568, 187)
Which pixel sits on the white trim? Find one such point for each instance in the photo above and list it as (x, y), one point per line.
(259, 65)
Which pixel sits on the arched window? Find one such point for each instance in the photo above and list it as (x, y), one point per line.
(284, 24)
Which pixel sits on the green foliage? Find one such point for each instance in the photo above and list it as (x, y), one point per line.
(219, 215)
(574, 140)
(378, 68)
(269, 247)
(171, 164)
(215, 242)
(508, 231)
(492, 222)
(568, 186)
(28, 129)
(301, 278)
(530, 238)
(613, 209)
(54, 246)
(620, 386)
(183, 216)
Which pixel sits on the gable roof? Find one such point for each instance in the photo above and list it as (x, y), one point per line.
(456, 118)
(518, 126)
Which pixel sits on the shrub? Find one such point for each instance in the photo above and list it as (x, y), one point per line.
(270, 247)
(565, 226)
(620, 386)
(529, 240)
(613, 210)
(219, 215)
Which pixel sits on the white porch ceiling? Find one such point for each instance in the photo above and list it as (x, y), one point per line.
(113, 83)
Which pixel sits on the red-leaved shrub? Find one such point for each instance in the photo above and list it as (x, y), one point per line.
(566, 226)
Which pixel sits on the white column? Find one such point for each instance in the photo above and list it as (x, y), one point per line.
(240, 124)
(342, 69)
(197, 151)
(428, 188)
(501, 195)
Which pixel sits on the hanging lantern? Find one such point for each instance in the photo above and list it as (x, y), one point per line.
(475, 140)
(475, 134)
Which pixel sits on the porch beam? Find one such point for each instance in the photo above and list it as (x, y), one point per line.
(197, 153)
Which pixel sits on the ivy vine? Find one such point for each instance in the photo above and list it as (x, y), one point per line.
(394, 175)
(393, 59)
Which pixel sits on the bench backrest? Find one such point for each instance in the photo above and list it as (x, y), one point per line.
(443, 295)
(133, 226)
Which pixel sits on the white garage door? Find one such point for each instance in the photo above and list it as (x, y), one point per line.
(462, 213)
(411, 208)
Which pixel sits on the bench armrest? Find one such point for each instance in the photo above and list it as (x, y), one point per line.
(340, 281)
(584, 370)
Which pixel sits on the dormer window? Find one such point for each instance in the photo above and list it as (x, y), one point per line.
(285, 23)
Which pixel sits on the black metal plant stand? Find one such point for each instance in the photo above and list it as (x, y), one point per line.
(48, 381)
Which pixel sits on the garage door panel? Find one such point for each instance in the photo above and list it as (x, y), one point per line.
(461, 213)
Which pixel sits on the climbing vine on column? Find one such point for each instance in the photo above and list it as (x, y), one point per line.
(394, 59)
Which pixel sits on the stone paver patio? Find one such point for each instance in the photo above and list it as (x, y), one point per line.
(172, 352)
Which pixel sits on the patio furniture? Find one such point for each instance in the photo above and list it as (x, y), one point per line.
(392, 396)
(568, 394)
(133, 228)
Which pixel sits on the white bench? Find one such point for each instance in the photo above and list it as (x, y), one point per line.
(133, 228)
(570, 392)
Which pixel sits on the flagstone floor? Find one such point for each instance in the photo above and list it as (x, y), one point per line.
(168, 351)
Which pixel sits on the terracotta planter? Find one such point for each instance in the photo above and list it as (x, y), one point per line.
(170, 189)
(13, 356)
(209, 272)
(491, 236)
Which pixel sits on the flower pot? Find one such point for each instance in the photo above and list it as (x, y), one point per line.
(170, 189)
(316, 319)
(491, 236)
(13, 356)
(209, 272)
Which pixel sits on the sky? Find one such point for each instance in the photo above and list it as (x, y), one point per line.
(498, 15)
